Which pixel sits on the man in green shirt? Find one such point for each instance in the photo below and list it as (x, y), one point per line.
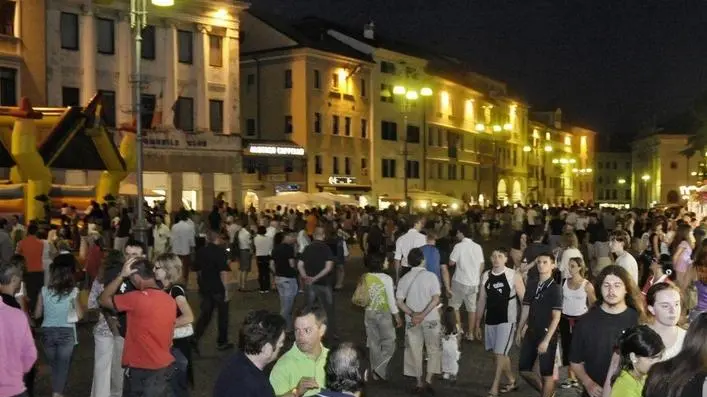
(300, 371)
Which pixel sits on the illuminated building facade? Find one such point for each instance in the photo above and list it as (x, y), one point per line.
(613, 179)
(303, 90)
(659, 170)
(561, 160)
(190, 93)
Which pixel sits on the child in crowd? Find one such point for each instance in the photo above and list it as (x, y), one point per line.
(450, 345)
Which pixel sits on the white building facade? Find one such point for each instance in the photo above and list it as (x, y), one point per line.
(190, 90)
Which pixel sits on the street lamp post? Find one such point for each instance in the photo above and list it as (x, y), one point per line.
(408, 96)
(138, 22)
(645, 179)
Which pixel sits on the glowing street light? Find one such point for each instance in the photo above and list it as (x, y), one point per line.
(508, 126)
(622, 181)
(548, 148)
(497, 128)
(646, 177)
(526, 148)
(399, 90)
(480, 127)
(411, 95)
(163, 3)
(426, 91)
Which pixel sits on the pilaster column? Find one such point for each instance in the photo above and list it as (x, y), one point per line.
(237, 189)
(124, 57)
(231, 108)
(201, 52)
(207, 191)
(169, 60)
(87, 49)
(54, 76)
(174, 192)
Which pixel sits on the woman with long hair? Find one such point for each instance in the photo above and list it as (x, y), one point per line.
(168, 270)
(684, 374)
(699, 275)
(108, 344)
(663, 306)
(639, 348)
(681, 248)
(59, 306)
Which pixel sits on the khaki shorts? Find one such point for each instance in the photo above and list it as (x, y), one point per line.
(464, 294)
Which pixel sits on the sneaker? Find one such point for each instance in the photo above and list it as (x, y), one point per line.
(469, 336)
(567, 384)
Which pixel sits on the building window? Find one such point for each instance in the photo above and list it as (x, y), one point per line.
(288, 124)
(614, 194)
(8, 87)
(388, 168)
(627, 195)
(452, 172)
(148, 43)
(600, 180)
(364, 165)
(185, 45)
(318, 164)
(628, 165)
(108, 107)
(317, 79)
(430, 136)
(673, 165)
(288, 78)
(216, 115)
(335, 125)
(364, 128)
(600, 165)
(289, 165)
(147, 112)
(250, 127)
(462, 172)
(250, 166)
(387, 67)
(363, 88)
(335, 82)
(413, 134)
(184, 114)
(69, 26)
(249, 82)
(106, 36)
(70, 96)
(347, 165)
(317, 123)
(387, 93)
(7, 18)
(389, 131)
(347, 126)
(215, 51)
(335, 166)
(413, 169)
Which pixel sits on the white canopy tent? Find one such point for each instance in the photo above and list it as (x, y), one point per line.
(306, 200)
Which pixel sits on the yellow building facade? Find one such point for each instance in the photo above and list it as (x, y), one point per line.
(310, 94)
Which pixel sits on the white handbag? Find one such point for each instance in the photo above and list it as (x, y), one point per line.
(72, 316)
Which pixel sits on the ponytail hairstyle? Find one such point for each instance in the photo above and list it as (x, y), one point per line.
(640, 340)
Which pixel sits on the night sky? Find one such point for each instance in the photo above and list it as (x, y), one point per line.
(610, 65)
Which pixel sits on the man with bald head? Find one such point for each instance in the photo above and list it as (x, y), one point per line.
(346, 371)
(315, 267)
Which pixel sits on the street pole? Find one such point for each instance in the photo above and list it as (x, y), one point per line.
(405, 157)
(494, 188)
(138, 21)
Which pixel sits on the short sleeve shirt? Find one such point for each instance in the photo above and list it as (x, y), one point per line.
(281, 255)
(293, 366)
(151, 314)
(542, 298)
(315, 257)
(417, 288)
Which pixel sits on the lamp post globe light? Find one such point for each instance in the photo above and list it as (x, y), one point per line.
(138, 22)
(408, 95)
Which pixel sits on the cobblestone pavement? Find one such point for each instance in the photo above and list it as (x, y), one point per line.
(475, 374)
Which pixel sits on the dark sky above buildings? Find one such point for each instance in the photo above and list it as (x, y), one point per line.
(611, 65)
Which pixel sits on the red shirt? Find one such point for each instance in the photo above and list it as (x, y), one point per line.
(31, 248)
(151, 315)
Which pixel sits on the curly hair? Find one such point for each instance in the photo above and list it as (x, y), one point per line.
(260, 328)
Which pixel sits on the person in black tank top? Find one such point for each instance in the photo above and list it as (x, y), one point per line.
(501, 287)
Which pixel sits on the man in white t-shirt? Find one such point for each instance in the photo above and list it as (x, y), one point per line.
(412, 239)
(468, 258)
(619, 243)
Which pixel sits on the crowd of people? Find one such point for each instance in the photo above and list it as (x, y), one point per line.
(606, 293)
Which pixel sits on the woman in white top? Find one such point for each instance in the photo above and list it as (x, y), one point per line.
(577, 295)
(663, 302)
(571, 250)
(263, 248)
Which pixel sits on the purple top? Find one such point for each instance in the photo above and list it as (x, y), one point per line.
(683, 261)
(701, 297)
(17, 350)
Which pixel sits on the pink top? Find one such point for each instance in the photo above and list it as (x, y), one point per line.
(17, 350)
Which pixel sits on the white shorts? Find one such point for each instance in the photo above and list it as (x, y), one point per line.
(499, 338)
(464, 294)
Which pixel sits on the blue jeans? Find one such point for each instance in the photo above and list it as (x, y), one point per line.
(178, 378)
(324, 295)
(287, 289)
(58, 345)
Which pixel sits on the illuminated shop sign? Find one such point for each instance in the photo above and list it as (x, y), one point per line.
(288, 187)
(276, 150)
(342, 180)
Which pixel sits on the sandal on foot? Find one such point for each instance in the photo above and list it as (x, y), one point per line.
(509, 388)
